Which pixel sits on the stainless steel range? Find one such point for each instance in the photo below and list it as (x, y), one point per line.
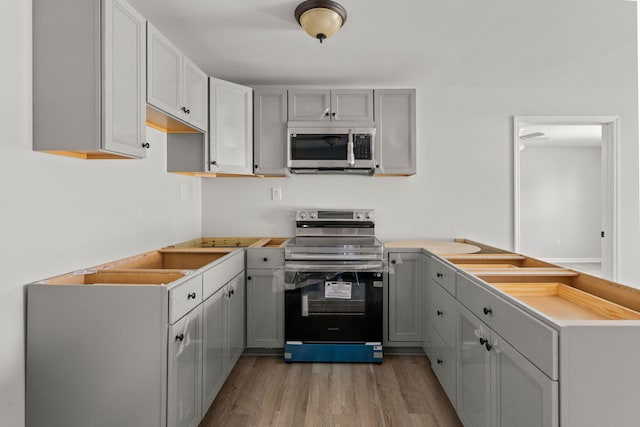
(333, 276)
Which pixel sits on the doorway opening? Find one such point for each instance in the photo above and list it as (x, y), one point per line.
(565, 191)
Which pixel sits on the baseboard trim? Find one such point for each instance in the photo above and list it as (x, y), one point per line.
(571, 260)
(263, 352)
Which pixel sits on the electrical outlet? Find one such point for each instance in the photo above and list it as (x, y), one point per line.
(184, 192)
(276, 193)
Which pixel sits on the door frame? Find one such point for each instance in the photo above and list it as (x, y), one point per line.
(610, 181)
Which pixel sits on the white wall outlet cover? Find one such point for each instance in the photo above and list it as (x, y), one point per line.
(276, 193)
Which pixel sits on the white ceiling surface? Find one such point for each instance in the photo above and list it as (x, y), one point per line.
(401, 42)
(561, 135)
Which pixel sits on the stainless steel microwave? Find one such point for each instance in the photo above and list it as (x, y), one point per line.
(330, 150)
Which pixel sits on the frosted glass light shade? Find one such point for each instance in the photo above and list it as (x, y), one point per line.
(321, 19)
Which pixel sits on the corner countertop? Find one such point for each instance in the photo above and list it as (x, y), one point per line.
(438, 247)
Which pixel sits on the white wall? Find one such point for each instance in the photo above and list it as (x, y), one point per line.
(560, 202)
(464, 184)
(59, 214)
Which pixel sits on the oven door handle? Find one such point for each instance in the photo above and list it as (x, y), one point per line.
(374, 266)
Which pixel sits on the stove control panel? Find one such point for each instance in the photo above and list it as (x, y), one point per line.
(335, 215)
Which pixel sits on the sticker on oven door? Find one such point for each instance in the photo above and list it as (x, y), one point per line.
(341, 290)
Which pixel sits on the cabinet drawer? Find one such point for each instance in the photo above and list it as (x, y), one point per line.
(218, 276)
(443, 364)
(443, 275)
(184, 297)
(265, 258)
(535, 340)
(443, 315)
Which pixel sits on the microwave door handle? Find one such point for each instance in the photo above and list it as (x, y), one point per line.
(351, 158)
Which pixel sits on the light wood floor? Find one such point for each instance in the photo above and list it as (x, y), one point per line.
(265, 391)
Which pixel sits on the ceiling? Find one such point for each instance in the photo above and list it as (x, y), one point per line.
(549, 135)
(408, 42)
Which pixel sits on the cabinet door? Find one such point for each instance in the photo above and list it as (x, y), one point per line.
(236, 318)
(428, 339)
(164, 75)
(395, 148)
(405, 297)
(443, 314)
(474, 371)
(184, 386)
(443, 364)
(214, 346)
(352, 105)
(270, 131)
(124, 77)
(265, 311)
(309, 105)
(195, 93)
(230, 132)
(524, 395)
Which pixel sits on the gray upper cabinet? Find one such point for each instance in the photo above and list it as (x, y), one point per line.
(95, 50)
(323, 105)
(309, 105)
(231, 127)
(395, 148)
(352, 105)
(195, 94)
(270, 131)
(175, 85)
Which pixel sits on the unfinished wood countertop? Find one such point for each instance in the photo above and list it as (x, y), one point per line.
(438, 247)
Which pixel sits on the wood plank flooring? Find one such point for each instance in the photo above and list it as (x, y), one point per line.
(266, 391)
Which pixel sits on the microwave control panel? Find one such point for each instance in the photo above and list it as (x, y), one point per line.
(362, 146)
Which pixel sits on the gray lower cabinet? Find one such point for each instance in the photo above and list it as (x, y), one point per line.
(265, 298)
(427, 329)
(474, 371)
(395, 147)
(497, 386)
(270, 131)
(96, 355)
(404, 292)
(265, 310)
(96, 51)
(184, 376)
(223, 338)
(214, 370)
(236, 319)
(113, 354)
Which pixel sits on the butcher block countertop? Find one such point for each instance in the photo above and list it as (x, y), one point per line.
(439, 247)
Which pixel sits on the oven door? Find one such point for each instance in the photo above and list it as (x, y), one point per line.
(333, 305)
(318, 150)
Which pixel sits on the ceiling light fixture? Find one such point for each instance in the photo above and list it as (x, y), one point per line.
(320, 18)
